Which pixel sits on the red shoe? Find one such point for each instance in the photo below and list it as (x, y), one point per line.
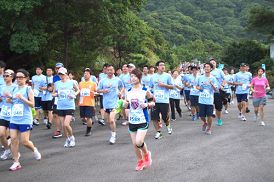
(148, 160)
(140, 165)
(57, 134)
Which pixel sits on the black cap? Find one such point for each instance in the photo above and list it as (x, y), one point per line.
(243, 64)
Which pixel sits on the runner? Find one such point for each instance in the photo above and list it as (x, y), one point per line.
(259, 86)
(6, 92)
(233, 87)
(47, 100)
(242, 81)
(174, 95)
(66, 90)
(218, 94)
(187, 87)
(21, 118)
(110, 87)
(151, 70)
(194, 93)
(161, 82)
(227, 90)
(136, 99)
(36, 82)
(247, 103)
(87, 102)
(145, 77)
(207, 84)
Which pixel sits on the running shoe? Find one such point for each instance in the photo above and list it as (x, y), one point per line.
(125, 123)
(49, 125)
(194, 118)
(15, 166)
(169, 129)
(36, 122)
(147, 160)
(208, 132)
(204, 127)
(180, 114)
(6, 155)
(240, 116)
(214, 114)
(102, 122)
(158, 135)
(140, 165)
(112, 140)
(36, 154)
(220, 122)
(226, 111)
(88, 131)
(173, 119)
(45, 121)
(67, 143)
(84, 123)
(243, 118)
(72, 141)
(247, 110)
(57, 134)
(262, 123)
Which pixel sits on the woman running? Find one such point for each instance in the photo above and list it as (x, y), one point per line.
(259, 86)
(22, 101)
(136, 99)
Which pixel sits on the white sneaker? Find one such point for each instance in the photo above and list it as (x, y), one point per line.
(112, 139)
(240, 116)
(243, 118)
(226, 111)
(255, 118)
(36, 122)
(6, 155)
(15, 166)
(72, 141)
(158, 135)
(45, 121)
(262, 123)
(169, 129)
(36, 154)
(67, 143)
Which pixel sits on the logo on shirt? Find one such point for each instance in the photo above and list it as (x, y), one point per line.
(134, 103)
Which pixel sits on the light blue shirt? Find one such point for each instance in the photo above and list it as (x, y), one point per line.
(186, 79)
(126, 80)
(206, 95)
(2, 83)
(161, 94)
(113, 84)
(220, 76)
(6, 107)
(21, 112)
(193, 82)
(175, 92)
(227, 87)
(65, 90)
(36, 82)
(46, 95)
(146, 80)
(244, 78)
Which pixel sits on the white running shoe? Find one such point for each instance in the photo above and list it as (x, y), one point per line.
(36, 122)
(243, 118)
(226, 111)
(72, 141)
(262, 123)
(36, 154)
(67, 143)
(15, 166)
(6, 155)
(169, 129)
(45, 121)
(112, 139)
(240, 116)
(158, 135)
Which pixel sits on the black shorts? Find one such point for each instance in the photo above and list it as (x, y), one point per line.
(218, 101)
(101, 102)
(242, 98)
(136, 127)
(233, 88)
(194, 100)
(37, 103)
(47, 105)
(205, 110)
(63, 113)
(55, 111)
(109, 110)
(4, 123)
(187, 94)
(87, 111)
(162, 108)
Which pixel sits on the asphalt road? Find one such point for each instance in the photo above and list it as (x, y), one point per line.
(236, 151)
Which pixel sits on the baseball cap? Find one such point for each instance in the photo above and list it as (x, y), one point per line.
(62, 70)
(131, 65)
(59, 65)
(9, 72)
(243, 64)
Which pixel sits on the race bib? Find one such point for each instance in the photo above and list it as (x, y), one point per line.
(18, 110)
(85, 92)
(136, 117)
(63, 94)
(205, 94)
(159, 94)
(244, 86)
(6, 111)
(174, 93)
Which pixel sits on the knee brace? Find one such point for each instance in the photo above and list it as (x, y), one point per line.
(141, 146)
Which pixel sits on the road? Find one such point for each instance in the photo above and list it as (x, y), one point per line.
(236, 151)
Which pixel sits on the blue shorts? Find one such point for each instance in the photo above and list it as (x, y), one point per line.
(187, 94)
(205, 110)
(21, 127)
(87, 111)
(109, 110)
(37, 102)
(241, 97)
(194, 100)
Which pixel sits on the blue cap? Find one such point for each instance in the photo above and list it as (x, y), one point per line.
(59, 65)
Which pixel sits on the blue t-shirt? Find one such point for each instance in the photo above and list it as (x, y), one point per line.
(6, 107)
(244, 78)
(65, 90)
(126, 80)
(193, 82)
(175, 92)
(146, 80)
(113, 84)
(56, 78)
(186, 79)
(36, 82)
(219, 75)
(227, 87)
(161, 94)
(206, 95)
(46, 96)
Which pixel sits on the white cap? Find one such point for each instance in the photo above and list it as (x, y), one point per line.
(131, 65)
(62, 70)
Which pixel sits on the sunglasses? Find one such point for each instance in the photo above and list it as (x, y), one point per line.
(20, 77)
(5, 76)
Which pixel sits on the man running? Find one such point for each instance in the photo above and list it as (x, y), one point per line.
(102, 76)
(194, 93)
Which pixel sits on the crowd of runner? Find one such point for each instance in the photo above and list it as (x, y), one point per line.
(138, 95)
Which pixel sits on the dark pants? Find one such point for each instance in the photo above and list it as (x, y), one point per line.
(175, 103)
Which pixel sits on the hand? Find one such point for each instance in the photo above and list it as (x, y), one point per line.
(72, 96)
(19, 96)
(106, 91)
(160, 84)
(144, 105)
